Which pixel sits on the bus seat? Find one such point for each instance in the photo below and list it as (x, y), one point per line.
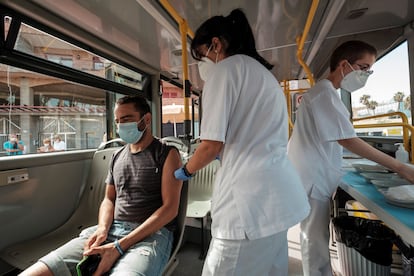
(26, 253)
(179, 233)
(176, 142)
(200, 189)
(117, 142)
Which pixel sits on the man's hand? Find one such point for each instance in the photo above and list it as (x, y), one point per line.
(96, 239)
(109, 255)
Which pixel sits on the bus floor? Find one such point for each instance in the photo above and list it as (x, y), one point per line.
(190, 264)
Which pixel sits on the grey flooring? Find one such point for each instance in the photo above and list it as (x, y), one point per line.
(190, 264)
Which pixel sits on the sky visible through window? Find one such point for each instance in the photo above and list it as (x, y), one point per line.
(391, 75)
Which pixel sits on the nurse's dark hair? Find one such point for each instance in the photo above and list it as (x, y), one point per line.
(140, 103)
(235, 33)
(351, 51)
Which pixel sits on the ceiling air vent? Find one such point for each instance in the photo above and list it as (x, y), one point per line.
(354, 14)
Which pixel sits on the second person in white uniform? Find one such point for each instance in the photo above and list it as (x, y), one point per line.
(321, 129)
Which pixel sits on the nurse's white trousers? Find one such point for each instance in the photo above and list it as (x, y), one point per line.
(261, 257)
(314, 239)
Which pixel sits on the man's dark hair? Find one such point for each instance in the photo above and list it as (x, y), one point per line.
(140, 103)
(351, 51)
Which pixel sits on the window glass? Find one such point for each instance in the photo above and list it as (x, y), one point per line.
(173, 111)
(45, 113)
(387, 90)
(42, 45)
(36, 107)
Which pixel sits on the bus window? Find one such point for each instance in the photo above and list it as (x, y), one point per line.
(67, 97)
(387, 90)
(173, 111)
(45, 46)
(35, 107)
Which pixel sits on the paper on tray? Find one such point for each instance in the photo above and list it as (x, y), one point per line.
(402, 194)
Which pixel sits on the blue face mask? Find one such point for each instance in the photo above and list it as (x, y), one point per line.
(129, 132)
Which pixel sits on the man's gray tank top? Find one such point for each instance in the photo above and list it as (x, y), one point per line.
(137, 180)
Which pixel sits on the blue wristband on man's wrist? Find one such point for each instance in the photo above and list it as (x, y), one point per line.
(118, 247)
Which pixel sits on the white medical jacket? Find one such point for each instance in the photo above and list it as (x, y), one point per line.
(321, 120)
(257, 191)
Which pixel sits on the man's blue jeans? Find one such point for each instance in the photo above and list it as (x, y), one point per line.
(147, 257)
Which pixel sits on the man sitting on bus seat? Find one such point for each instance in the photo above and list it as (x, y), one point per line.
(136, 219)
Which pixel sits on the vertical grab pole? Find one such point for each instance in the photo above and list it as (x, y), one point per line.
(186, 81)
(300, 40)
(184, 31)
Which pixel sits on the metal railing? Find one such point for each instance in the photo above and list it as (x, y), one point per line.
(408, 143)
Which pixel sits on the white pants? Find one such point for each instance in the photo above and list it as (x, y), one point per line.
(314, 240)
(265, 256)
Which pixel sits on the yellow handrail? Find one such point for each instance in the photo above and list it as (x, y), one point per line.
(184, 31)
(404, 125)
(404, 120)
(401, 114)
(300, 41)
(170, 9)
(287, 91)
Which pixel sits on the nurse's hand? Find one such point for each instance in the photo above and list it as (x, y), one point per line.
(407, 172)
(182, 174)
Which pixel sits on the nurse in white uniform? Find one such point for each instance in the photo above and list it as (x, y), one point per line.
(257, 194)
(321, 129)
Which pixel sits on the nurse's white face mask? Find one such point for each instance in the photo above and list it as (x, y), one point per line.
(205, 66)
(354, 80)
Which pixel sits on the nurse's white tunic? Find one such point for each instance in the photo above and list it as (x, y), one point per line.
(321, 120)
(257, 192)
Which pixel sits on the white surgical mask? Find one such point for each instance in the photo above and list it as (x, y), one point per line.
(205, 66)
(354, 80)
(129, 132)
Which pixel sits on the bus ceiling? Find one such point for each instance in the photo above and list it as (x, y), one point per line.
(144, 35)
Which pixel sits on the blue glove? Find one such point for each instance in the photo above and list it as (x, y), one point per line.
(182, 174)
